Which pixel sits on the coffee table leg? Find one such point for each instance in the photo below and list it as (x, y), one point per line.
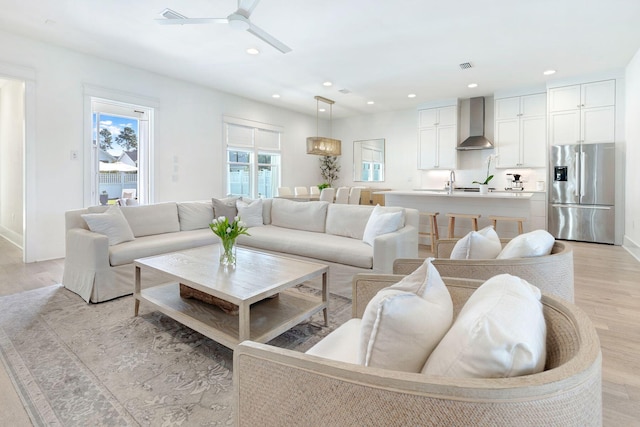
(325, 297)
(244, 330)
(136, 291)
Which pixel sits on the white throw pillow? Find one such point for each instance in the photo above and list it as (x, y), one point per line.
(482, 244)
(534, 243)
(250, 213)
(111, 223)
(500, 332)
(400, 328)
(381, 223)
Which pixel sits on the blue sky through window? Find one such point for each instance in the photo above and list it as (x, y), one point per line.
(115, 124)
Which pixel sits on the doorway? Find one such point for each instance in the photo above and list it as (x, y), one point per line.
(12, 160)
(120, 153)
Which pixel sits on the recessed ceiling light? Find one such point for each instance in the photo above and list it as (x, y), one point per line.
(327, 84)
(549, 72)
(275, 95)
(411, 95)
(370, 102)
(253, 51)
(322, 110)
(472, 85)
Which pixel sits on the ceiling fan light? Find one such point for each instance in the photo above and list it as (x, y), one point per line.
(238, 22)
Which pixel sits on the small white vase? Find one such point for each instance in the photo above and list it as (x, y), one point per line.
(484, 188)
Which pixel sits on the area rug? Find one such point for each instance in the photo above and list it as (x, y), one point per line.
(78, 364)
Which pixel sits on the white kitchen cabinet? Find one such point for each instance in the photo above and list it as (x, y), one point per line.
(583, 113)
(519, 132)
(437, 138)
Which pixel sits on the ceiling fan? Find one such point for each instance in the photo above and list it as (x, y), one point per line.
(238, 20)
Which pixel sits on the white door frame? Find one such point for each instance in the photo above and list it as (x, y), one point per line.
(145, 157)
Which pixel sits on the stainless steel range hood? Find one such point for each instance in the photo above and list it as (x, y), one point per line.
(476, 140)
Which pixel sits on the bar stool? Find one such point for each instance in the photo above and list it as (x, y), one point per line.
(495, 218)
(452, 221)
(433, 226)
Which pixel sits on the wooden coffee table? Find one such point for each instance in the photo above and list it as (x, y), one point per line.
(249, 285)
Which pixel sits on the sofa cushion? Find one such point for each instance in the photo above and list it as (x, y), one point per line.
(320, 246)
(146, 220)
(225, 207)
(482, 244)
(534, 243)
(347, 220)
(158, 244)
(381, 222)
(308, 216)
(195, 215)
(111, 223)
(500, 332)
(422, 280)
(341, 344)
(250, 212)
(401, 328)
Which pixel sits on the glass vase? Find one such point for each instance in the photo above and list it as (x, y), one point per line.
(228, 252)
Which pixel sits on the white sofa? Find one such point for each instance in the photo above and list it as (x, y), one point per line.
(322, 231)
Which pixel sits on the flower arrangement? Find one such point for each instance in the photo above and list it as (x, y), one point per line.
(489, 177)
(228, 233)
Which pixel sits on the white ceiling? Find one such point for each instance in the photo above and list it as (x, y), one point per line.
(380, 50)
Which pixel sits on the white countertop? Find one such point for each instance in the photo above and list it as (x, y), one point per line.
(461, 194)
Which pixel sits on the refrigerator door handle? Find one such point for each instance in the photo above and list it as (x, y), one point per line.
(576, 191)
(606, 208)
(583, 156)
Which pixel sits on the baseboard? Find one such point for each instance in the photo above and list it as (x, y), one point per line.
(632, 247)
(11, 236)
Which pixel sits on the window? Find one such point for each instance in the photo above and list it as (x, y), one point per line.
(253, 158)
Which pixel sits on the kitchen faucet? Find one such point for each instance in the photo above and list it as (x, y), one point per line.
(452, 179)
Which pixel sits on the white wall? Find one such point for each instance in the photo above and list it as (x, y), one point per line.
(11, 159)
(632, 176)
(188, 125)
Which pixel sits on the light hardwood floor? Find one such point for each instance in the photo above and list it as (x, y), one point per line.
(607, 288)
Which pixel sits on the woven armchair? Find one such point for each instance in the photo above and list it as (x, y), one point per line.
(278, 387)
(551, 273)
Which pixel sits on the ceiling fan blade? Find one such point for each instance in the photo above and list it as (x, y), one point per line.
(190, 21)
(247, 5)
(261, 34)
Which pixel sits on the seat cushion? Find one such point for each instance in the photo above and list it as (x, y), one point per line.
(141, 247)
(341, 344)
(321, 246)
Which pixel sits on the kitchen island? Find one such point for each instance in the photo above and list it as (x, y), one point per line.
(526, 204)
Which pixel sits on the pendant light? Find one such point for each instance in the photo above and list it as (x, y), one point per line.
(320, 145)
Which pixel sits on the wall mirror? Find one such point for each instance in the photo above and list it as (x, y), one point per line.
(368, 160)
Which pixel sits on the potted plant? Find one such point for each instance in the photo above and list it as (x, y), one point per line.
(329, 168)
(104, 197)
(484, 185)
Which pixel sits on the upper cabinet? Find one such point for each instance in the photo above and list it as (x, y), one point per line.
(520, 131)
(437, 137)
(583, 113)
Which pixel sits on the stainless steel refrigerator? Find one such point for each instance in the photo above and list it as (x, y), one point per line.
(582, 192)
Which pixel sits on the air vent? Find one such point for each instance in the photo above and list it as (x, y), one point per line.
(171, 14)
(466, 65)
(345, 91)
